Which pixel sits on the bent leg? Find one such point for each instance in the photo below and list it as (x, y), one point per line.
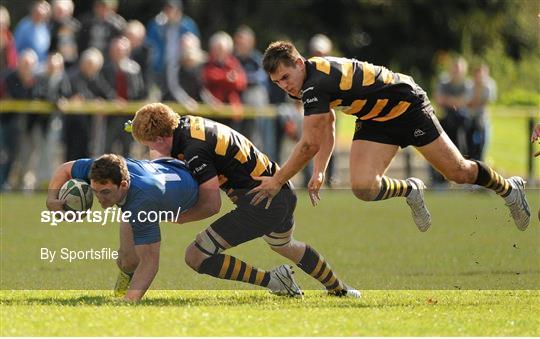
(306, 258)
(449, 161)
(368, 162)
(445, 156)
(205, 257)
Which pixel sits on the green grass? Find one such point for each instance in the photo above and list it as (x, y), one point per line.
(255, 313)
(473, 273)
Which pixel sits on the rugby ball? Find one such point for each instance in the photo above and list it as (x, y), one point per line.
(77, 194)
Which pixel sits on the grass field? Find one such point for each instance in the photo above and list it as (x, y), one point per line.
(473, 273)
(254, 313)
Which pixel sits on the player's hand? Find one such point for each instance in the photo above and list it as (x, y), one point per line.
(55, 204)
(268, 189)
(314, 185)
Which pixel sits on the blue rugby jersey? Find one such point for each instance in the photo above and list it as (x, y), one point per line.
(159, 185)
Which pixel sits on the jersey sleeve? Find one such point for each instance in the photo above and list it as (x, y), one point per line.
(315, 99)
(199, 161)
(81, 169)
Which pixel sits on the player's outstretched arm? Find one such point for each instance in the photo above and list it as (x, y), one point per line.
(59, 178)
(145, 272)
(314, 126)
(209, 203)
(321, 159)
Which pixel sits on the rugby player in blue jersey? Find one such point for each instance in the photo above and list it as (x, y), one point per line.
(140, 187)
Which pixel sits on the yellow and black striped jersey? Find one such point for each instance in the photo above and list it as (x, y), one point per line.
(212, 149)
(358, 88)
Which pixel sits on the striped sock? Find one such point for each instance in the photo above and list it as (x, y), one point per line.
(488, 178)
(224, 266)
(315, 265)
(391, 188)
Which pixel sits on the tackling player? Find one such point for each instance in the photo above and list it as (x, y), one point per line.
(222, 158)
(392, 111)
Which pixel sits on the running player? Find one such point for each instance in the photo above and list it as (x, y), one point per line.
(392, 111)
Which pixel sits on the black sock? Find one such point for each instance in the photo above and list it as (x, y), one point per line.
(315, 265)
(391, 188)
(488, 178)
(227, 267)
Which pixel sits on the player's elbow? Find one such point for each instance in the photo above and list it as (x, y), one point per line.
(308, 148)
(214, 209)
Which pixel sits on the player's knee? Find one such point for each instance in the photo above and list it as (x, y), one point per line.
(282, 250)
(365, 190)
(293, 250)
(193, 257)
(461, 173)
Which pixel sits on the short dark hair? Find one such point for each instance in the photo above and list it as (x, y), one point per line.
(279, 52)
(109, 167)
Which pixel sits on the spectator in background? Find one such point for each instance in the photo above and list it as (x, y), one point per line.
(54, 84)
(320, 45)
(190, 83)
(224, 77)
(87, 83)
(164, 33)
(51, 85)
(452, 96)
(20, 84)
(64, 30)
(484, 91)
(140, 51)
(8, 51)
(32, 31)
(125, 78)
(174, 90)
(256, 92)
(100, 26)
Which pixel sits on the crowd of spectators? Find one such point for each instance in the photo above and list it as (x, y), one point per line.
(463, 102)
(53, 56)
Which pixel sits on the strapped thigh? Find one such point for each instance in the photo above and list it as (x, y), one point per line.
(276, 239)
(210, 243)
